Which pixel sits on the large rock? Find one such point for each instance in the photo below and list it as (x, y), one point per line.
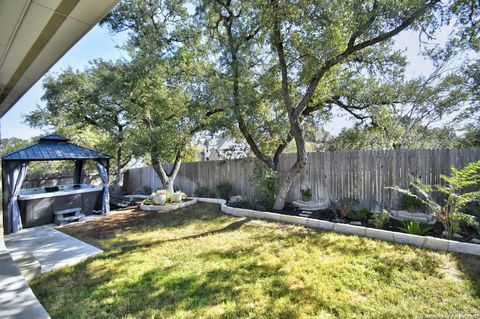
(236, 199)
(403, 215)
(311, 205)
(454, 235)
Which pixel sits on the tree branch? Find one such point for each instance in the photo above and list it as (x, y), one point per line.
(278, 43)
(351, 49)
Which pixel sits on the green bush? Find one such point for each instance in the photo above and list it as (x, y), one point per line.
(267, 182)
(344, 206)
(306, 193)
(147, 190)
(248, 203)
(203, 191)
(410, 203)
(472, 208)
(379, 219)
(224, 190)
(413, 227)
(361, 215)
(456, 192)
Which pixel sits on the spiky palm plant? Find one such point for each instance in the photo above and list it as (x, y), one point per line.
(456, 189)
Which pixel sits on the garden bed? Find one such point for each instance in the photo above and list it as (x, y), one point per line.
(392, 224)
(430, 242)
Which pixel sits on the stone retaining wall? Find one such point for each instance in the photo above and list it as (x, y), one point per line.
(395, 237)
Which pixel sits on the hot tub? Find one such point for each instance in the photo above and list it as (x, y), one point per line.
(37, 205)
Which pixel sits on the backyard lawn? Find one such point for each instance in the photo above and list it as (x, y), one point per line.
(200, 263)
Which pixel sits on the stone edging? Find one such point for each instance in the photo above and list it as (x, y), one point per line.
(169, 207)
(391, 236)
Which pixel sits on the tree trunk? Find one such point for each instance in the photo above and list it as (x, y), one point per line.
(167, 179)
(168, 185)
(296, 169)
(115, 186)
(295, 128)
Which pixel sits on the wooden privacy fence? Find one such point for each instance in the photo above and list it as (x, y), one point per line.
(42, 180)
(330, 175)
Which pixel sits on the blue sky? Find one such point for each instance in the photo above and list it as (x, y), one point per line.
(100, 43)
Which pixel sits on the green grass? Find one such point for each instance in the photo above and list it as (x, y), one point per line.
(199, 263)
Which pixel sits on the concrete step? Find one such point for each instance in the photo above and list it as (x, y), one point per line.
(305, 213)
(75, 210)
(71, 218)
(28, 265)
(60, 220)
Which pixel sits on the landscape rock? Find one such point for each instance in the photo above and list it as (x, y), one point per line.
(305, 213)
(454, 235)
(311, 205)
(475, 240)
(236, 199)
(403, 215)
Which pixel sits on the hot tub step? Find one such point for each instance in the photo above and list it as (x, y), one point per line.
(65, 216)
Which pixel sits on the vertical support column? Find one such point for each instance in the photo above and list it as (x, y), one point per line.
(78, 175)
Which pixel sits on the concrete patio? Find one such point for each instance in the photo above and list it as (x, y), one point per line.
(28, 254)
(16, 298)
(48, 247)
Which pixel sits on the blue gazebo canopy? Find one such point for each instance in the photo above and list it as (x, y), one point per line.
(53, 147)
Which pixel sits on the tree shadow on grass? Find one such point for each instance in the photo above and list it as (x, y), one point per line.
(376, 253)
(470, 266)
(137, 220)
(129, 246)
(165, 292)
(241, 286)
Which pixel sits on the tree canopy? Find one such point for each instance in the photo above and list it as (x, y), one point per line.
(270, 72)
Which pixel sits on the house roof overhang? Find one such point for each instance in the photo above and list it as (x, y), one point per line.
(34, 34)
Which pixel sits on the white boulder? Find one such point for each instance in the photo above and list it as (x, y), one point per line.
(236, 199)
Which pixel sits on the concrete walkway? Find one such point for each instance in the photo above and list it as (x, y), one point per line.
(16, 298)
(50, 247)
(27, 254)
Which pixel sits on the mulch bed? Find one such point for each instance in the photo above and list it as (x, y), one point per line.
(123, 220)
(392, 225)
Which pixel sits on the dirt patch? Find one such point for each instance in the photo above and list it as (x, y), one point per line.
(133, 219)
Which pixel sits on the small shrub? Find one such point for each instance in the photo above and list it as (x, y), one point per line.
(203, 191)
(379, 219)
(148, 202)
(413, 227)
(306, 194)
(147, 190)
(267, 182)
(224, 190)
(361, 215)
(472, 208)
(410, 203)
(344, 206)
(246, 202)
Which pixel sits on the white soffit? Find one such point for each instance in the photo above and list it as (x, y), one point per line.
(34, 34)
